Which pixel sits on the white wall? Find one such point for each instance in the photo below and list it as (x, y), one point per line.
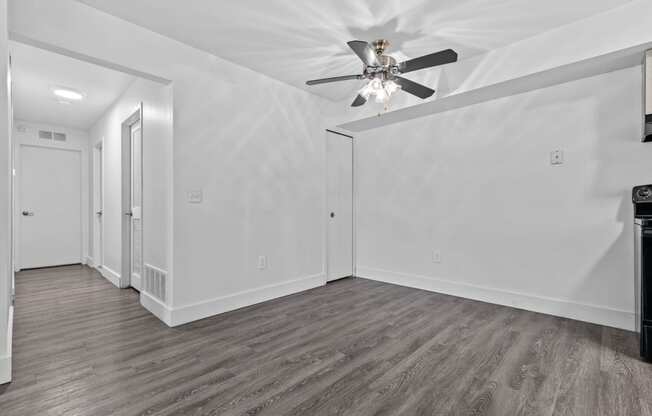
(26, 133)
(157, 144)
(648, 77)
(6, 268)
(256, 149)
(253, 145)
(477, 184)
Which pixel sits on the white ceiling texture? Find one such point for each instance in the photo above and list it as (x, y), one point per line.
(294, 41)
(35, 72)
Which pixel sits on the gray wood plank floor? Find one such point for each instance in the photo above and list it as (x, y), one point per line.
(354, 347)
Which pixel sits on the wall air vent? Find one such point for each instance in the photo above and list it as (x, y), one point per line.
(59, 137)
(44, 135)
(154, 281)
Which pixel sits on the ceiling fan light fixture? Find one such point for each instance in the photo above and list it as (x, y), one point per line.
(391, 87)
(381, 90)
(385, 74)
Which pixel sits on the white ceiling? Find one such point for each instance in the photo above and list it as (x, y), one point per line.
(294, 41)
(36, 71)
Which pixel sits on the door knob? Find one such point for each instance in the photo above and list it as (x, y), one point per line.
(332, 215)
(129, 214)
(28, 214)
(99, 212)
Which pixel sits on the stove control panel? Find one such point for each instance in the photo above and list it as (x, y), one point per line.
(642, 194)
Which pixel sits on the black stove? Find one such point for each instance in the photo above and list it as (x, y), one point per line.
(642, 200)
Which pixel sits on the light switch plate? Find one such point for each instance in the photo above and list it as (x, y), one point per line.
(195, 197)
(557, 157)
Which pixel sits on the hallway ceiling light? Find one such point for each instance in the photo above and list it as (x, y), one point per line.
(67, 93)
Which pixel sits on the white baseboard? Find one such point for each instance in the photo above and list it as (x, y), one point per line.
(5, 369)
(110, 275)
(156, 307)
(551, 306)
(136, 282)
(200, 310)
(5, 362)
(89, 262)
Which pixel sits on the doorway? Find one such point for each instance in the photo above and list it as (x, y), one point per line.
(50, 207)
(98, 204)
(132, 196)
(339, 197)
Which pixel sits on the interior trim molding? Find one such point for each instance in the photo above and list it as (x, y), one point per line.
(110, 275)
(137, 282)
(88, 261)
(156, 307)
(5, 361)
(5, 369)
(558, 307)
(215, 306)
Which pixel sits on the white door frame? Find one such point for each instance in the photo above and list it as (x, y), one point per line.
(97, 154)
(18, 202)
(353, 208)
(135, 117)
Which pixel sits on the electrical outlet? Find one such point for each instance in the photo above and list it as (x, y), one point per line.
(557, 157)
(436, 256)
(262, 262)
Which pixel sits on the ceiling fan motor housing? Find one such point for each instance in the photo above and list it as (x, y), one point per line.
(388, 66)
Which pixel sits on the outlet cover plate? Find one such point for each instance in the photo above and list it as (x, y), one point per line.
(557, 157)
(436, 256)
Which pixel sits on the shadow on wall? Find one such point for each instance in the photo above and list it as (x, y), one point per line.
(614, 154)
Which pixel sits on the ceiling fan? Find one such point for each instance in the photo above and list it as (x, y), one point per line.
(383, 72)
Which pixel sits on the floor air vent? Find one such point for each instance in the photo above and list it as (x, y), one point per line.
(154, 282)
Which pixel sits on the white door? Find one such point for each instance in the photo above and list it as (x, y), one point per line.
(339, 156)
(98, 205)
(136, 206)
(50, 207)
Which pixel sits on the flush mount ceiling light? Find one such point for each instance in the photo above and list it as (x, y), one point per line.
(383, 72)
(67, 94)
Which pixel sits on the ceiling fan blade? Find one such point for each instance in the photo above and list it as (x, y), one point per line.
(414, 88)
(364, 52)
(427, 61)
(333, 79)
(359, 100)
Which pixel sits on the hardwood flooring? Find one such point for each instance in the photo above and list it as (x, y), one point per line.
(354, 347)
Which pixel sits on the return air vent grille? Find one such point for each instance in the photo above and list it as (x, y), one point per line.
(44, 135)
(154, 282)
(51, 135)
